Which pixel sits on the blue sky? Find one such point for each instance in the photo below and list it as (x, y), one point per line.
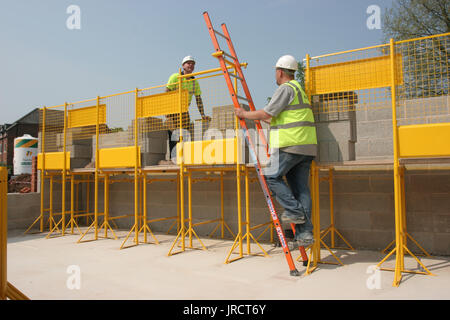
(135, 43)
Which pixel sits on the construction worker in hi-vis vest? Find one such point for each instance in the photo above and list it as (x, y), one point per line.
(293, 144)
(192, 86)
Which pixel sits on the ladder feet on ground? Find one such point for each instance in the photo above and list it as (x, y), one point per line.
(294, 273)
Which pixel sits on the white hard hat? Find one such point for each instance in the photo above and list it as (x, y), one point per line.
(287, 62)
(187, 58)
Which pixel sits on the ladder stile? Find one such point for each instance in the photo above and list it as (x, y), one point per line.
(245, 87)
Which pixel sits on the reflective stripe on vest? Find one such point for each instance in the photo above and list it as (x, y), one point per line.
(295, 124)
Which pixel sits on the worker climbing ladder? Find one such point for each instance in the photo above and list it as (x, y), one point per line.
(231, 59)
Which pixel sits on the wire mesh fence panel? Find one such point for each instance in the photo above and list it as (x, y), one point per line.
(51, 128)
(116, 139)
(80, 130)
(351, 100)
(423, 95)
(216, 103)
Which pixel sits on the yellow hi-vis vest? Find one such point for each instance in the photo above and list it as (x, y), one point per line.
(294, 126)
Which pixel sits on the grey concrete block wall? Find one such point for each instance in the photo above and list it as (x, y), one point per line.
(363, 206)
(23, 209)
(364, 209)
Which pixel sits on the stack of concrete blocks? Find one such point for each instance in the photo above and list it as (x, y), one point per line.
(374, 125)
(153, 147)
(152, 139)
(223, 120)
(423, 110)
(153, 144)
(336, 126)
(79, 144)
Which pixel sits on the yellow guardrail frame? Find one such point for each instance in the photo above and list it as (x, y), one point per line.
(208, 152)
(424, 140)
(118, 157)
(359, 74)
(53, 161)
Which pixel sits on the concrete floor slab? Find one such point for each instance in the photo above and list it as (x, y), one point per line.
(39, 268)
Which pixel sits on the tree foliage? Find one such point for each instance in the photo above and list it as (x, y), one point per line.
(424, 62)
(416, 18)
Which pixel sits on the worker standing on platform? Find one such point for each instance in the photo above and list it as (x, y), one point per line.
(193, 88)
(293, 143)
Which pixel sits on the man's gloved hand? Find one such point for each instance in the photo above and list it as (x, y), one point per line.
(206, 118)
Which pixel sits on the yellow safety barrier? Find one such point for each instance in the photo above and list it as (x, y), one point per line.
(404, 81)
(7, 290)
(53, 161)
(97, 137)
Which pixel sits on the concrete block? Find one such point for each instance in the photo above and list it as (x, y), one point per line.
(323, 155)
(151, 159)
(223, 117)
(381, 147)
(353, 220)
(342, 202)
(113, 140)
(362, 149)
(419, 221)
(352, 185)
(153, 145)
(331, 131)
(159, 134)
(78, 151)
(366, 239)
(360, 114)
(440, 203)
(379, 112)
(429, 183)
(440, 243)
(382, 221)
(372, 202)
(418, 202)
(79, 163)
(75, 137)
(438, 119)
(382, 184)
(375, 129)
(441, 223)
(334, 153)
(23, 209)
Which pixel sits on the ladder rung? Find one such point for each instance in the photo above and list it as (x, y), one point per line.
(220, 34)
(235, 76)
(229, 56)
(242, 98)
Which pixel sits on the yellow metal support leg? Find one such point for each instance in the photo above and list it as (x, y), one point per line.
(238, 240)
(331, 229)
(315, 256)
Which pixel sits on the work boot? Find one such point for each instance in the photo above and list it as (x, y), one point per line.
(304, 239)
(288, 234)
(289, 217)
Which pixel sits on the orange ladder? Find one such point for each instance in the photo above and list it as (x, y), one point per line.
(233, 60)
